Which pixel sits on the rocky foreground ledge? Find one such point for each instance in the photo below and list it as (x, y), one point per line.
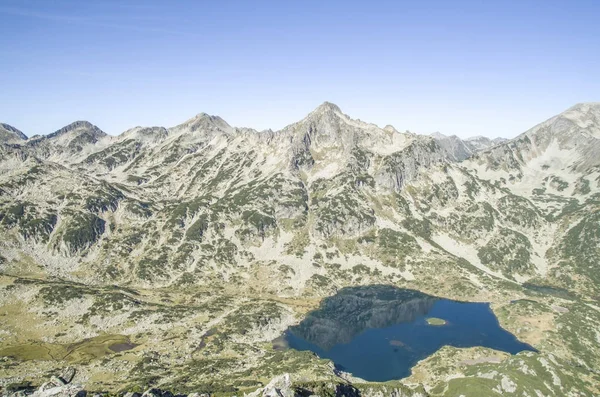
(280, 386)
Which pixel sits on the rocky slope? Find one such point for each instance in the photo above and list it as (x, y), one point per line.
(217, 238)
(9, 134)
(280, 386)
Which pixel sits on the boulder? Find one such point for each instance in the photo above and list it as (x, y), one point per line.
(280, 386)
(49, 390)
(67, 375)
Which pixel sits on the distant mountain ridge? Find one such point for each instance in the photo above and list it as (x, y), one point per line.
(460, 149)
(326, 175)
(203, 121)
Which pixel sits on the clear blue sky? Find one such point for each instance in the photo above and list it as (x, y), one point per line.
(490, 68)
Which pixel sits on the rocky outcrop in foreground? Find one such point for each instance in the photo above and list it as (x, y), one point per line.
(280, 386)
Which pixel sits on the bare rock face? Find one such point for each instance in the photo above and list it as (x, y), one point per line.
(280, 386)
(67, 375)
(71, 390)
(58, 386)
(404, 166)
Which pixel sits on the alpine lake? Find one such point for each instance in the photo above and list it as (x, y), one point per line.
(378, 333)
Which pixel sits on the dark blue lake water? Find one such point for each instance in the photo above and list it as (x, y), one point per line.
(378, 333)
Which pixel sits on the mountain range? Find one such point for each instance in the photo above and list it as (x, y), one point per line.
(259, 225)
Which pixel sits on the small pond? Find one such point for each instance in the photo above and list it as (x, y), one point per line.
(121, 347)
(379, 332)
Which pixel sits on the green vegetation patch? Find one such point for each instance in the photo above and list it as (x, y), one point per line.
(30, 221)
(580, 247)
(391, 247)
(469, 221)
(253, 315)
(60, 294)
(508, 252)
(80, 231)
(519, 211)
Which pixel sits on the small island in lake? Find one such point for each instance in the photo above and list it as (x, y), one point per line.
(435, 321)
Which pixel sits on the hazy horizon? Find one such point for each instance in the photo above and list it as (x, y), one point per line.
(462, 68)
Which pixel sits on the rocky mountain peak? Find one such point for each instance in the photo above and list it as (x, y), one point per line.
(9, 134)
(328, 128)
(439, 135)
(583, 116)
(476, 138)
(80, 126)
(145, 133)
(480, 142)
(585, 107)
(327, 107)
(204, 122)
(69, 143)
(325, 114)
(578, 126)
(390, 128)
(460, 149)
(454, 147)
